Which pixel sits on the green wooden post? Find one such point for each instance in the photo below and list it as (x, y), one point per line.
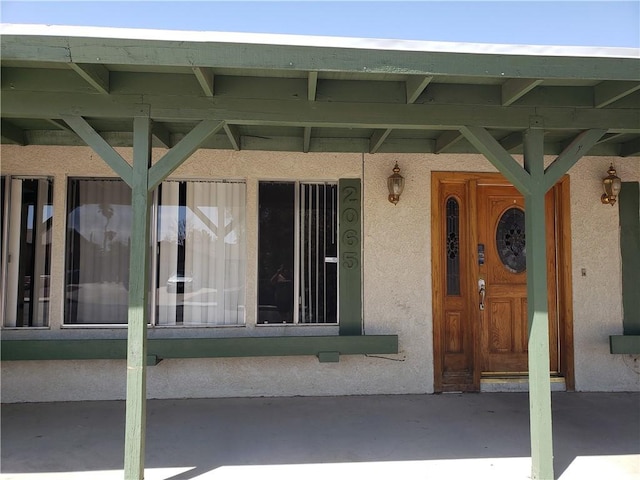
(533, 182)
(138, 305)
(350, 262)
(538, 310)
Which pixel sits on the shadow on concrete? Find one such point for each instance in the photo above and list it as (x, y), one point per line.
(201, 435)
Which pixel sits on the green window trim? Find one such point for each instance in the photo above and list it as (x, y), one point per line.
(350, 257)
(326, 348)
(629, 208)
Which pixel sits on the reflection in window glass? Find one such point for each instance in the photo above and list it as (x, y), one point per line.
(97, 256)
(29, 252)
(201, 253)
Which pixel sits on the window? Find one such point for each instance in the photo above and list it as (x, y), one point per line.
(297, 253)
(200, 257)
(28, 203)
(453, 246)
(201, 253)
(97, 257)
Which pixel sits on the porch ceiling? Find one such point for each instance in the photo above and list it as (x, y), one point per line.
(311, 94)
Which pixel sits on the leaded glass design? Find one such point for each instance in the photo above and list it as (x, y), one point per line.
(453, 247)
(510, 240)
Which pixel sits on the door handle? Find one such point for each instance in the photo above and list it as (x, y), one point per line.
(482, 292)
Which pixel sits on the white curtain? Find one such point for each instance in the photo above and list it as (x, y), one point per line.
(209, 233)
(99, 241)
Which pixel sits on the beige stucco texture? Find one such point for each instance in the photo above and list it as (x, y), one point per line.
(397, 297)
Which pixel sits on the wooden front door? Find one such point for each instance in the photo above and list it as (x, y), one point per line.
(502, 280)
(479, 280)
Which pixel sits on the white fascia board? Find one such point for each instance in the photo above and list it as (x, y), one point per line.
(318, 41)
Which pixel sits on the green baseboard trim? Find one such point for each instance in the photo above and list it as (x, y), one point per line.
(158, 349)
(624, 344)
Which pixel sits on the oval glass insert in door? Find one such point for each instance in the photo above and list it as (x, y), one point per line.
(511, 241)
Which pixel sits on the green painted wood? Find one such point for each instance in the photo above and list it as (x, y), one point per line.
(100, 146)
(514, 89)
(512, 141)
(15, 46)
(95, 75)
(393, 144)
(295, 113)
(329, 357)
(537, 309)
(233, 132)
(138, 83)
(312, 86)
(58, 349)
(447, 139)
(161, 134)
(377, 139)
(135, 419)
(579, 147)
(306, 139)
(181, 151)
(40, 78)
(498, 156)
(415, 86)
(630, 148)
(629, 208)
(116, 349)
(12, 133)
(606, 93)
(205, 78)
(350, 256)
(624, 344)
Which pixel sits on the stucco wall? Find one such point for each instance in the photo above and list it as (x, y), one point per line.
(597, 296)
(397, 284)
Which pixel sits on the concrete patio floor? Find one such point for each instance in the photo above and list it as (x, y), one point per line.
(450, 436)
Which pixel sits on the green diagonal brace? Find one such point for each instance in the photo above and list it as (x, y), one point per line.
(182, 150)
(576, 150)
(100, 146)
(497, 155)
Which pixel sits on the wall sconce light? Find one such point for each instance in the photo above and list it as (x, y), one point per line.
(612, 186)
(395, 183)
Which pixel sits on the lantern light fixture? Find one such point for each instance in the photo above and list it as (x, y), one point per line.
(612, 185)
(395, 183)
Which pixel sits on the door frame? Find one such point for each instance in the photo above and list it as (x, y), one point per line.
(466, 182)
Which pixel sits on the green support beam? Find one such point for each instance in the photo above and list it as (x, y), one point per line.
(294, 113)
(537, 309)
(138, 317)
(533, 182)
(117, 51)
